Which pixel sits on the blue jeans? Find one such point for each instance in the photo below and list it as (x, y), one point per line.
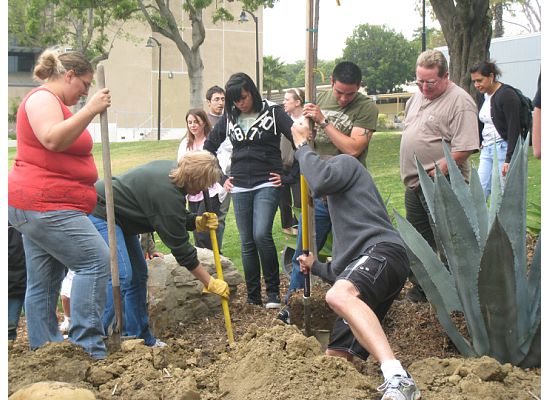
(53, 240)
(254, 214)
(15, 305)
(132, 271)
(485, 169)
(323, 226)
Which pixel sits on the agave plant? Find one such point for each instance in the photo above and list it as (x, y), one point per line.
(486, 277)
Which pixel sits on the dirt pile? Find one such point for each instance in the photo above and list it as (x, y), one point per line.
(270, 361)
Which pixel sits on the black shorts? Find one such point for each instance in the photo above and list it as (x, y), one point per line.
(379, 275)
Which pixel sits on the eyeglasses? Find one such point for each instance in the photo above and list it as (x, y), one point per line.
(429, 84)
(86, 84)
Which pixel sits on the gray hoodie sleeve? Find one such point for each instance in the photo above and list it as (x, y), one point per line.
(323, 271)
(326, 177)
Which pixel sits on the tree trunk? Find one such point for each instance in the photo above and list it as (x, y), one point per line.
(498, 11)
(195, 69)
(467, 30)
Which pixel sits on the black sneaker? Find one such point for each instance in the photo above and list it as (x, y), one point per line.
(284, 315)
(273, 301)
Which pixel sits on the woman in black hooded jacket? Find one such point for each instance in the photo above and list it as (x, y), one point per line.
(254, 127)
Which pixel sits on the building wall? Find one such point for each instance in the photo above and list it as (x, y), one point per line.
(132, 72)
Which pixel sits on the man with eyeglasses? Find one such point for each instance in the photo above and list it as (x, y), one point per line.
(440, 110)
(215, 99)
(345, 119)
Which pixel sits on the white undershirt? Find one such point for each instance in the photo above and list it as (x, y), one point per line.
(489, 132)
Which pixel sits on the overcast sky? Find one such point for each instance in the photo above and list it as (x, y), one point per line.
(285, 24)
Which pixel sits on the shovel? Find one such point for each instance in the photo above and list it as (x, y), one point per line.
(219, 271)
(108, 180)
(305, 248)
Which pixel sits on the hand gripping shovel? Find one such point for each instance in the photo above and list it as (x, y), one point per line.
(108, 180)
(219, 272)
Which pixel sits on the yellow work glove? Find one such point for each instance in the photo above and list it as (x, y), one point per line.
(206, 221)
(217, 286)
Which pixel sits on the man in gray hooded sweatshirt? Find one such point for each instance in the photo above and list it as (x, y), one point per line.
(369, 262)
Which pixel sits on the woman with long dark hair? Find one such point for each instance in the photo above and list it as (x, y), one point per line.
(499, 121)
(254, 127)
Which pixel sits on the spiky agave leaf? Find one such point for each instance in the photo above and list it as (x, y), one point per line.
(478, 198)
(463, 256)
(462, 191)
(433, 271)
(512, 216)
(427, 185)
(436, 282)
(497, 296)
(530, 344)
(496, 190)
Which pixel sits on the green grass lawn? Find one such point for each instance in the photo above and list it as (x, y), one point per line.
(382, 162)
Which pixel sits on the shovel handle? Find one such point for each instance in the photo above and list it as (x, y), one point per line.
(219, 271)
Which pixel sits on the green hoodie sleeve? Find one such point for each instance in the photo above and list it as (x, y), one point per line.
(173, 231)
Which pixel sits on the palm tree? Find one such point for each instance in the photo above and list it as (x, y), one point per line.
(274, 75)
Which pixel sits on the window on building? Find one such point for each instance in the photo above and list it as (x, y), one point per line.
(20, 62)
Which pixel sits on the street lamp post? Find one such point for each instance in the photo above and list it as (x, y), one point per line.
(150, 42)
(244, 18)
(423, 25)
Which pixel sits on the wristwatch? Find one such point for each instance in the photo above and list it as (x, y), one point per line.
(324, 124)
(300, 145)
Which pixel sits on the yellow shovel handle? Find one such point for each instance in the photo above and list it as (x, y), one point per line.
(219, 272)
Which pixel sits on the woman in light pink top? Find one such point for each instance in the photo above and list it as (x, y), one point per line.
(198, 128)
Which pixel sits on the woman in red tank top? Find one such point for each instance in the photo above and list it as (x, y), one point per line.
(50, 192)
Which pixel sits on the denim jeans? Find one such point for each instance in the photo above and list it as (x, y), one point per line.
(132, 271)
(254, 214)
(485, 170)
(323, 226)
(15, 305)
(53, 240)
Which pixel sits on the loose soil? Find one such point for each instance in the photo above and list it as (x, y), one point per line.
(271, 360)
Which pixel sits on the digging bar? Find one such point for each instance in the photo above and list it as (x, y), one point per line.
(219, 271)
(108, 180)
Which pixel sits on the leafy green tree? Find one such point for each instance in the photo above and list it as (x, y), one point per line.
(89, 26)
(434, 38)
(162, 20)
(295, 73)
(385, 57)
(274, 75)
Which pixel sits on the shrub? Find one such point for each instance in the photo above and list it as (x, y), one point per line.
(485, 247)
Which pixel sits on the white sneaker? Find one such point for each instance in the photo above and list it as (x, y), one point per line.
(399, 388)
(159, 343)
(65, 325)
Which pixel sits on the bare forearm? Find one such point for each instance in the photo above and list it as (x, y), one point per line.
(458, 156)
(353, 145)
(201, 274)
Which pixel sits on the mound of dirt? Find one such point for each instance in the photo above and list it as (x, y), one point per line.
(270, 361)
